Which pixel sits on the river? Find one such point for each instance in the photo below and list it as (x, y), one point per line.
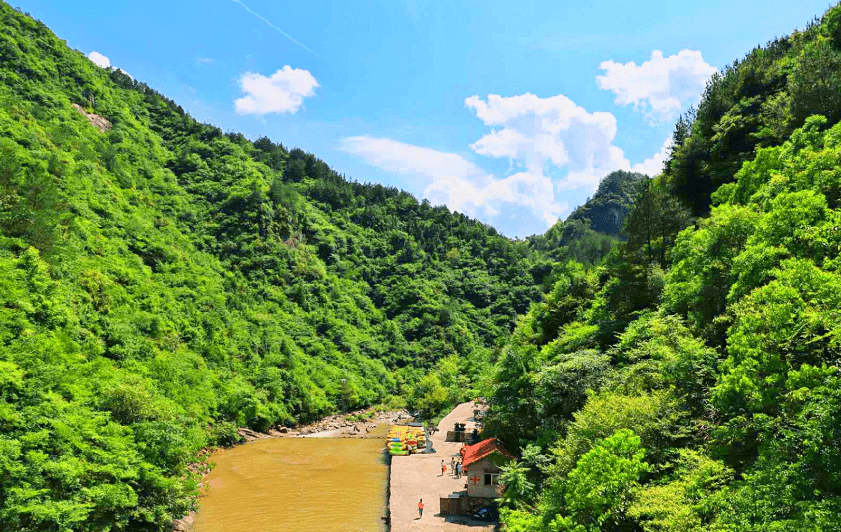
(296, 485)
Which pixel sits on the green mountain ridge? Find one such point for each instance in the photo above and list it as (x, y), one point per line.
(690, 381)
(164, 282)
(666, 359)
(592, 229)
(607, 209)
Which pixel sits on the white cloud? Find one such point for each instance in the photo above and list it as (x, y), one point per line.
(103, 62)
(283, 92)
(503, 143)
(523, 189)
(660, 86)
(205, 60)
(549, 135)
(552, 145)
(452, 180)
(459, 195)
(654, 165)
(99, 59)
(407, 159)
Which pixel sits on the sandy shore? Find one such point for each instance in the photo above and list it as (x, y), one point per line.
(419, 477)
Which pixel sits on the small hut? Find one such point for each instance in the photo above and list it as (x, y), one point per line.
(481, 463)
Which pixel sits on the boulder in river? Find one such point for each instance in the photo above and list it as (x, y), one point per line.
(250, 435)
(183, 524)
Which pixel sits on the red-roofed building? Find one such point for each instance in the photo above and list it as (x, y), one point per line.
(481, 463)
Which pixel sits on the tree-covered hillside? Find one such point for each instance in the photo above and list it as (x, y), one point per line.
(589, 232)
(163, 282)
(755, 102)
(690, 382)
(607, 209)
(666, 359)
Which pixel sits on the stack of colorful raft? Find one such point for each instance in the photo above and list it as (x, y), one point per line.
(403, 440)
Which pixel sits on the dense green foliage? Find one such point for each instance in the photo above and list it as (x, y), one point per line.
(162, 283)
(666, 359)
(756, 102)
(589, 233)
(607, 209)
(691, 380)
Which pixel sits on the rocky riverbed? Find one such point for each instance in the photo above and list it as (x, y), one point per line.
(335, 426)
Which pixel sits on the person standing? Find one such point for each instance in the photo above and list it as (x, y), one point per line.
(443, 468)
(420, 509)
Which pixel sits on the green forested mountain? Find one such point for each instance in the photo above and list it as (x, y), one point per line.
(755, 102)
(590, 231)
(607, 209)
(666, 359)
(690, 382)
(163, 282)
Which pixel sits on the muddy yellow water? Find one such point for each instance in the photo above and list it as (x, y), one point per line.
(296, 485)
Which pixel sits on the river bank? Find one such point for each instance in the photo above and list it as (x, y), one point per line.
(419, 476)
(358, 424)
(351, 425)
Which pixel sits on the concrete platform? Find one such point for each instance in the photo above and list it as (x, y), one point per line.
(419, 477)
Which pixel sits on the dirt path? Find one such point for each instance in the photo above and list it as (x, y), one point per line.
(419, 477)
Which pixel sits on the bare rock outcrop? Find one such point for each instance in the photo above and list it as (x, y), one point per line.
(184, 524)
(100, 122)
(251, 435)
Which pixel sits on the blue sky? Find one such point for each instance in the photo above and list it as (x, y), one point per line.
(510, 112)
